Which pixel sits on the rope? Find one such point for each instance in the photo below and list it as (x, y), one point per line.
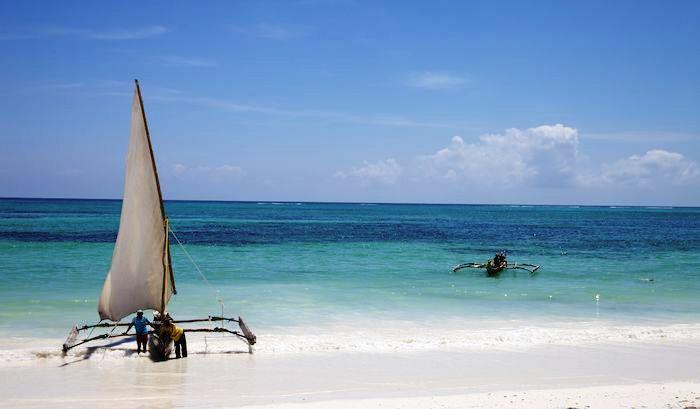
(192, 261)
(91, 329)
(211, 287)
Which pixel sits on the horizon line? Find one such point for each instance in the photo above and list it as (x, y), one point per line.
(360, 202)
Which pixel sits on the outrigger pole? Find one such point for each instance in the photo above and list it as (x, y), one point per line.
(531, 268)
(246, 334)
(120, 324)
(71, 338)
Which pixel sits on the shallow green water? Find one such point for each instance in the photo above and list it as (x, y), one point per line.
(313, 264)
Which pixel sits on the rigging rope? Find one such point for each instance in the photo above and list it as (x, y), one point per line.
(92, 329)
(192, 261)
(211, 287)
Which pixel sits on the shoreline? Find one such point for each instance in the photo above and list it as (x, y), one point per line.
(352, 333)
(386, 337)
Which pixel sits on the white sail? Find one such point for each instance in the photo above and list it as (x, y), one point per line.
(140, 275)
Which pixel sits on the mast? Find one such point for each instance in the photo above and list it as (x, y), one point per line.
(167, 262)
(150, 148)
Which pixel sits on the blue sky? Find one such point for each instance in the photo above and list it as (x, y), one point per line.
(448, 102)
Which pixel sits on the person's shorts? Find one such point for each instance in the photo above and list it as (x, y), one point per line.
(142, 338)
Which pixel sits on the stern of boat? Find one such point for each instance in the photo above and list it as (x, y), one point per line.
(159, 348)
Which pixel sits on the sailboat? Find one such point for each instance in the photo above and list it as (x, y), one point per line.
(141, 275)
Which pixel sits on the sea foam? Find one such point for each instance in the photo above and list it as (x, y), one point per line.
(401, 337)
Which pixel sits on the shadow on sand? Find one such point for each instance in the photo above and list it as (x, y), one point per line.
(89, 351)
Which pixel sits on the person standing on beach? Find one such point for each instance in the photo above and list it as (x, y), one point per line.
(140, 324)
(177, 334)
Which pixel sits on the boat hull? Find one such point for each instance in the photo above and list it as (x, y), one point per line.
(159, 348)
(493, 271)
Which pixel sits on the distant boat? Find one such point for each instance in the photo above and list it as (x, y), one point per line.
(496, 265)
(141, 275)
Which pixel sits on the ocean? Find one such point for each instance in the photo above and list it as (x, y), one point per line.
(383, 270)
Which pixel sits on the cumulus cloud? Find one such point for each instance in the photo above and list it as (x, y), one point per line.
(543, 156)
(385, 172)
(546, 156)
(212, 173)
(435, 80)
(655, 166)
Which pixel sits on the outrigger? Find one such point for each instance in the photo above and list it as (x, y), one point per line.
(159, 351)
(141, 275)
(496, 265)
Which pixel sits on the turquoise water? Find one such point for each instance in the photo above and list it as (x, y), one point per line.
(300, 264)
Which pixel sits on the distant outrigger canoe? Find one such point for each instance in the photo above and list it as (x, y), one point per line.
(493, 270)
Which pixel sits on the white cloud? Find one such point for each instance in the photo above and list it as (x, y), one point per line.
(179, 61)
(59, 85)
(127, 34)
(643, 136)
(174, 96)
(13, 36)
(385, 172)
(179, 169)
(435, 80)
(234, 106)
(543, 156)
(105, 34)
(655, 167)
(405, 122)
(221, 173)
(273, 32)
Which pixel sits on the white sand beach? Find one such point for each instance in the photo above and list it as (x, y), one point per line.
(638, 374)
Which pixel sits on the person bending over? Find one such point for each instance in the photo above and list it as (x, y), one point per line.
(177, 334)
